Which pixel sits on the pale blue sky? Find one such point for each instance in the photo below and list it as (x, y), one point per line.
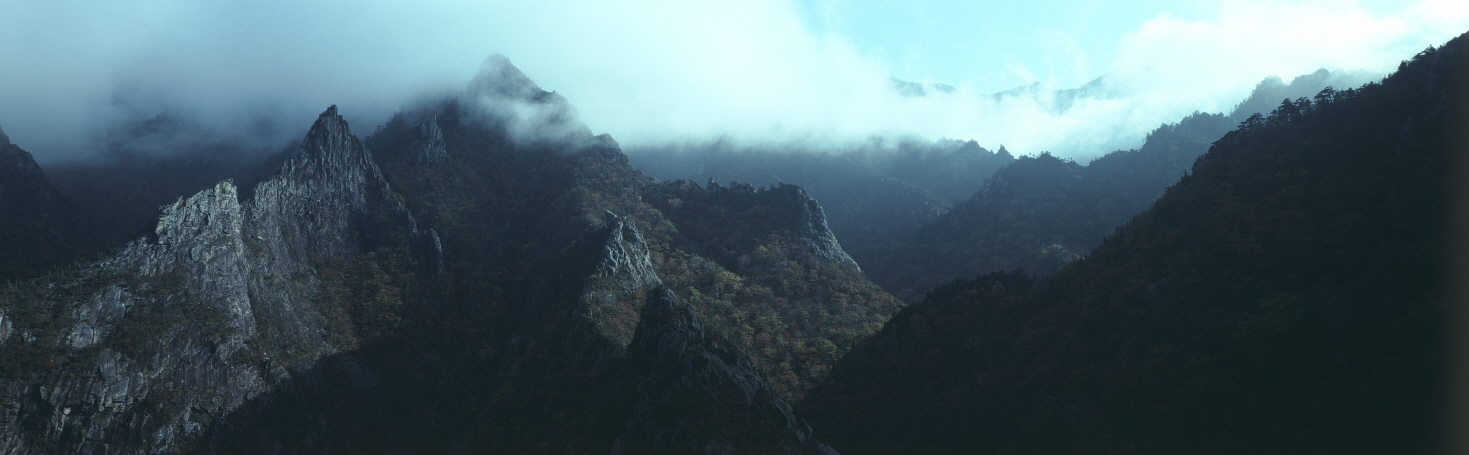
(998, 45)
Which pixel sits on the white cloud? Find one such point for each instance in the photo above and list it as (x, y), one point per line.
(646, 72)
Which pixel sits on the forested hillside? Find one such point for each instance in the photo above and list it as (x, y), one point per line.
(1038, 213)
(1285, 297)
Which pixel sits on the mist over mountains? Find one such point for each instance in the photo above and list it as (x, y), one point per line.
(918, 214)
(760, 73)
(475, 266)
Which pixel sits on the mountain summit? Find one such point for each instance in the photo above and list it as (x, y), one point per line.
(476, 245)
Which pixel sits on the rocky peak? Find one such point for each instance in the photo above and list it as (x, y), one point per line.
(528, 113)
(625, 255)
(428, 145)
(4, 140)
(811, 223)
(500, 79)
(233, 281)
(319, 198)
(611, 301)
(329, 149)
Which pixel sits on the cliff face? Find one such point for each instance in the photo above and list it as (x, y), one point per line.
(751, 216)
(160, 341)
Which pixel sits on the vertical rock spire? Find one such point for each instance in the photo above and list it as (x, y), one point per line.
(429, 147)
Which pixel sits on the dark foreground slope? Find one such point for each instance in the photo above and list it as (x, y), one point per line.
(1038, 213)
(1286, 297)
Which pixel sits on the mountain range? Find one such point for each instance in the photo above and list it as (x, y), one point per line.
(483, 274)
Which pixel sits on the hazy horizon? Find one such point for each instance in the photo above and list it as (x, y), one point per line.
(652, 74)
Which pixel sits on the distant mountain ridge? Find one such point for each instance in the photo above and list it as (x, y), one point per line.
(1038, 213)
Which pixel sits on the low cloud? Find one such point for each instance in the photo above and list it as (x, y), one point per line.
(648, 73)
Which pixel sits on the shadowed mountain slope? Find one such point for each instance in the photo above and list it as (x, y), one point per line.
(1285, 297)
(39, 227)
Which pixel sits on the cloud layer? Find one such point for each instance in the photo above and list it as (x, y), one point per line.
(646, 72)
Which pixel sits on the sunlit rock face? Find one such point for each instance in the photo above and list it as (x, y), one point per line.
(181, 327)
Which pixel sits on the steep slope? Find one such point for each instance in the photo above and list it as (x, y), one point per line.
(142, 351)
(1286, 297)
(38, 226)
(1038, 213)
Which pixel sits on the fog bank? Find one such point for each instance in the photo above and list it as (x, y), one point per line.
(649, 73)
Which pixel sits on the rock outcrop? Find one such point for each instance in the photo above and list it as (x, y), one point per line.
(428, 148)
(182, 327)
(810, 221)
(611, 300)
(784, 210)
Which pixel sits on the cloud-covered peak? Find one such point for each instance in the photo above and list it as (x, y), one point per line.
(529, 114)
(500, 79)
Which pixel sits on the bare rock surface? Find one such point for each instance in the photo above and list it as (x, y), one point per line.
(212, 309)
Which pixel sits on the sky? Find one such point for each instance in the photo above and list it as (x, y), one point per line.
(812, 72)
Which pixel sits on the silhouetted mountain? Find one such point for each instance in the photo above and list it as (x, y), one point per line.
(39, 228)
(1268, 93)
(1285, 297)
(1060, 101)
(1038, 213)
